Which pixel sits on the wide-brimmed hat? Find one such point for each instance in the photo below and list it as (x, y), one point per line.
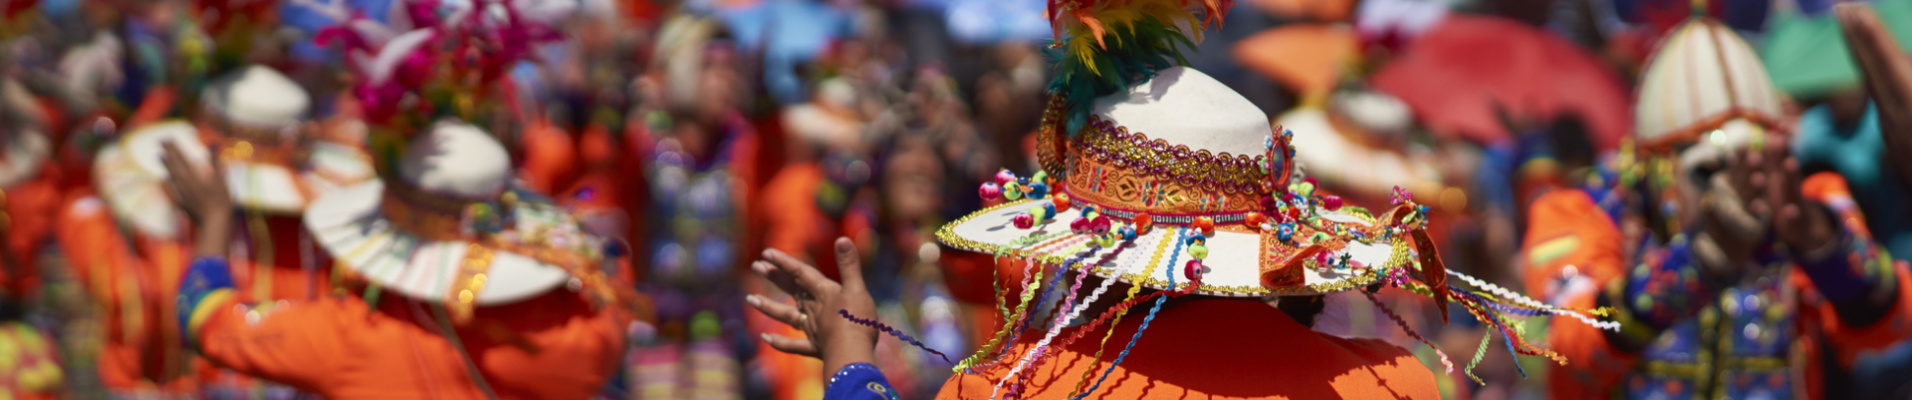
(25, 144)
(1182, 168)
(255, 117)
(450, 225)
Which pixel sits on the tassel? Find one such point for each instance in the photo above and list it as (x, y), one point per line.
(1433, 272)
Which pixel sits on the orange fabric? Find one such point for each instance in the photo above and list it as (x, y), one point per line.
(157, 105)
(550, 157)
(31, 207)
(555, 346)
(1262, 354)
(1570, 216)
(792, 222)
(1320, 10)
(1595, 252)
(128, 293)
(289, 279)
(1307, 58)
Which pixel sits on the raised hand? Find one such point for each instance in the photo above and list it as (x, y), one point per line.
(202, 194)
(1888, 79)
(831, 337)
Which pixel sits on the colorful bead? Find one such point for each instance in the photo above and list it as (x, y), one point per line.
(1194, 239)
(1012, 190)
(1040, 177)
(990, 191)
(1061, 201)
(1038, 191)
(1100, 225)
(1332, 202)
(1127, 233)
(1079, 226)
(1039, 213)
(1143, 222)
(1198, 251)
(1024, 221)
(1285, 231)
(1051, 208)
(1003, 177)
(1204, 224)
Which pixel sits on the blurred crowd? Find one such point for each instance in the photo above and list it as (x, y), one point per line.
(687, 138)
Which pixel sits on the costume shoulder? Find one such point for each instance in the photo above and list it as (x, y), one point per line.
(1215, 348)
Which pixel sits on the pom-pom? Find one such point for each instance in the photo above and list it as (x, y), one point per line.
(1255, 219)
(1194, 271)
(1198, 251)
(1143, 222)
(1331, 202)
(1285, 231)
(990, 191)
(1038, 191)
(1079, 226)
(1012, 191)
(1003, 177)
(1127, 233)
(1204, 224)
(1051, 208)
(1061, 201)
(1100, 225)
(1024, 221)
(1039, 213)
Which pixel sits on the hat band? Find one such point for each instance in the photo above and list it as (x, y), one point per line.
(1158, 218)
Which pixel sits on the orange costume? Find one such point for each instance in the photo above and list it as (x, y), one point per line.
(1182, 364)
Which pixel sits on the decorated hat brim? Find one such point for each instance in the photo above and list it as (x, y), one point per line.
(1155, 258)
(133, 180)
(349, 225)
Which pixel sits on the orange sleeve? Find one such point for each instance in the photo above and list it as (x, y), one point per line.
(157, 105)
(1594, 364)
(300, 345)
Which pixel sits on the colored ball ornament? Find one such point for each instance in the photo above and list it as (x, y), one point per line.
(1061, 201)
(1255, 219)
(1038, 191)
(1051, 208)
(1143, 222)
(990, 191)
(1127, 233)
(1039, 213)
(1285, 231)
(1332, 202)
(1195, 239)
(1194, 271)
(1100, 225)
(1024, 221)
(1079, 226)
(1012, 191)
(1199, 251)
(1204, 224)
(1003, 177)
(1106, 241)
(1040, 177)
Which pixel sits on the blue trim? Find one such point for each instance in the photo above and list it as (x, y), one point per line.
(205, 275)
(859, 381)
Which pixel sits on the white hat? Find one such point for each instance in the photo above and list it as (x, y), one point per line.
(416, 237)
(1703, 76)
(1339, 160)
(1179, 146)
(132, 178)
(26, 146)
(260, 98)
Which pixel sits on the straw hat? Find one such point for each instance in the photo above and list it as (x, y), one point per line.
(1164, 161)
(257, 115)
(451, 226)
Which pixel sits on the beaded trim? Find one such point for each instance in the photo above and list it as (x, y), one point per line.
(1160, 219)
(1102, 140)
(946, 234)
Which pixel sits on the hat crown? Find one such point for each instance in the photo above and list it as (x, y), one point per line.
(1703, 75)
(1183, 106)
(260, 96)
(458, 160)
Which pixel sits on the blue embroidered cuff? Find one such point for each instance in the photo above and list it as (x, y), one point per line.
(859, 381)
(206, 278)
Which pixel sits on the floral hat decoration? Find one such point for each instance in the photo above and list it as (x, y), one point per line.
(1157, 175)
(445, 222)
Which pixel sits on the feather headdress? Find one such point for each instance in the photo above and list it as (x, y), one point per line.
(437, 59)
(1104, 46)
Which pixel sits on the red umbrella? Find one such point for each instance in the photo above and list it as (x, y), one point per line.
(1455, 74)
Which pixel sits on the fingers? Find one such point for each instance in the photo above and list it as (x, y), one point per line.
(175, 162)
(848, 265)
(783, 280)
(788, 314)
(807, 278)
(801, 347)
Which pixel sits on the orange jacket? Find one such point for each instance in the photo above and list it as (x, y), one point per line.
(554, 346)
(131, 284)
(1217, 348)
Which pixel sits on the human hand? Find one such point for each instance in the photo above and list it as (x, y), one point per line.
(1888, 79)
(831, 337)
(1735, 212)
(200, 192)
